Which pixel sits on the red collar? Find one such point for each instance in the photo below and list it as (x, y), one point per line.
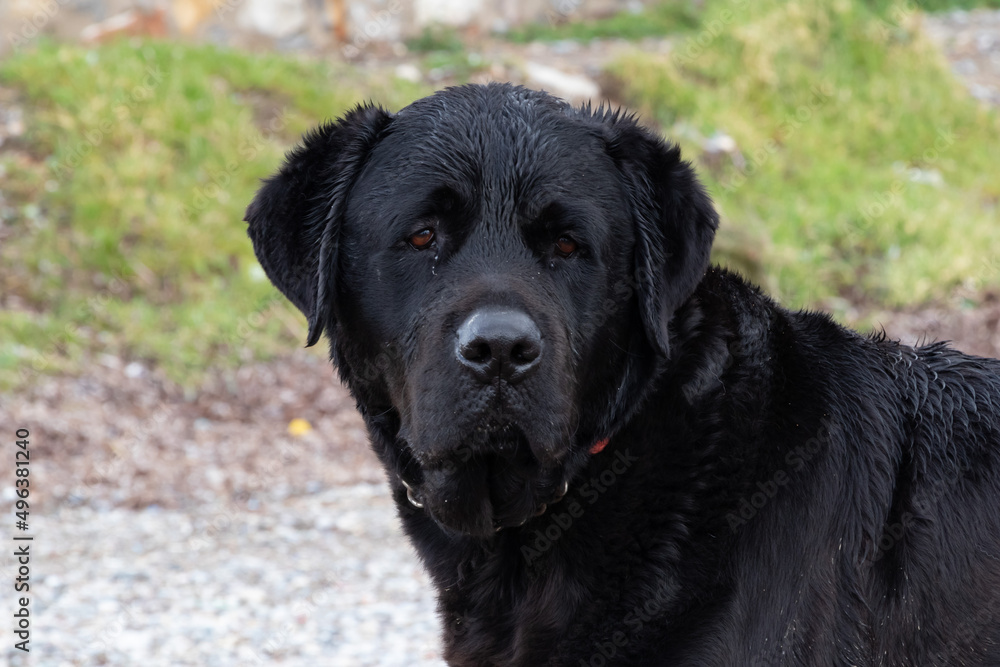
(599, 445)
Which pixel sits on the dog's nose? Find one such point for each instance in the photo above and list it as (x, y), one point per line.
(499, 343)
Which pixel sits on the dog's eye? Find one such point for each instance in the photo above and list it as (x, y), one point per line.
(421, 239)
(565, 246)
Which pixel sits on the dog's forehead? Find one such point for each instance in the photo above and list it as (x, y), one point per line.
(491, 133)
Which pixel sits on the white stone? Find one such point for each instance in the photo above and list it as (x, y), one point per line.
(408, 72)
(926, 176)
(720, 143)
(135, 370)
(573, 87)
(446, 12)
(274, 18)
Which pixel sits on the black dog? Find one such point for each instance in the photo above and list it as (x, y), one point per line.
(606, 452)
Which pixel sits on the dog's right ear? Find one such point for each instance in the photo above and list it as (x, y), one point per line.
(294, 221)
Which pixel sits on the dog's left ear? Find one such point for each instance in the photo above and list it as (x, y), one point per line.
(294, 221)
(673, 217)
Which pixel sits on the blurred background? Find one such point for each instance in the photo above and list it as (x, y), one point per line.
(201, 489)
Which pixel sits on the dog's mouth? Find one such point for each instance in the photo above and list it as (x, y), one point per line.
(490, 483)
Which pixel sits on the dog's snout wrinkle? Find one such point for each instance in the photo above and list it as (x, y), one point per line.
(499, 343)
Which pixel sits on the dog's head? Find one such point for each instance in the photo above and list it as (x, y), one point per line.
(496, 272)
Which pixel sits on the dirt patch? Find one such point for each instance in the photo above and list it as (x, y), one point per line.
(973, 329)
(121, 435)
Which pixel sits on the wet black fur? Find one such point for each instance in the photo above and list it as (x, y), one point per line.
(777, 490)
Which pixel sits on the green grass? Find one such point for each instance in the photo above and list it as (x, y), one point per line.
(436, 38)
(127, 230)
(834, 107)
(664, 18)
(945, 5)
(657, 20)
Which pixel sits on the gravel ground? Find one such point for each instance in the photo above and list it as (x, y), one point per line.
(194, 527)
(971, 42)
(323, 579)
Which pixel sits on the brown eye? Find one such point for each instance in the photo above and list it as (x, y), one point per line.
(421, 239)
(565, 246)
